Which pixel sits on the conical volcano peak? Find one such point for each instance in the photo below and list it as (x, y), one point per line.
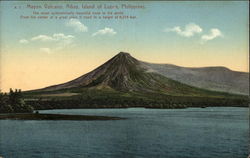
(124, 58)
(124, 54)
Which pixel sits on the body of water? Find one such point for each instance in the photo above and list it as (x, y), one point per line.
(146, 133)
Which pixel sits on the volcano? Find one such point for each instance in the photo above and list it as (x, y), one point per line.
(124, 81)
(124, 73)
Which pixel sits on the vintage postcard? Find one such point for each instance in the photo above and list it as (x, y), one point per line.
(124, 79)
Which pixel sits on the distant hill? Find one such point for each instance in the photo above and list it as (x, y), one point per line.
(211, 78)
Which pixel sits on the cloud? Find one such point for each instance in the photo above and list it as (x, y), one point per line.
(43, 38)
(63, 41)
(58, 36)
(46, 50)
(105, 31)
(190, 30)
(23, 41)
(77, 25)
(214, 33)
(54, 37)
(60, 41)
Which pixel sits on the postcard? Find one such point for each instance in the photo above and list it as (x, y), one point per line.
(124, 79)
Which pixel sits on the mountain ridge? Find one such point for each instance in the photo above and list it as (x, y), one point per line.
(215, 78)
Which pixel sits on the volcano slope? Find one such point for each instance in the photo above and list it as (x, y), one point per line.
(124, 81)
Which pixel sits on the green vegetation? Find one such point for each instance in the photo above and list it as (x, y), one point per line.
(13, 102)
(109, 98)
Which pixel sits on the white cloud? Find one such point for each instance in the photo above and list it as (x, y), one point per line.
(60, 41)
(54, 37)
(105, 31)
(190, 30)
(46, 50)
(77, 25)
(214, 33)
(64, 41)
(58, 36)
(23, 41)
(43, 38)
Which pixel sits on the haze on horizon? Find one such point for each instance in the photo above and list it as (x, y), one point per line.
(37, 53)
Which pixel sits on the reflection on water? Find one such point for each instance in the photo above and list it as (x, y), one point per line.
(147, 133)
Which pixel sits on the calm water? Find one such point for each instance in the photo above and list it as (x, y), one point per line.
(147, 133)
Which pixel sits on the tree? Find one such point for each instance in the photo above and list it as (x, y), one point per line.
(13, 102)
(4, 106)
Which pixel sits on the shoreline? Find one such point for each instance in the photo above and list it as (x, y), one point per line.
(49, 116)
(198, 107)
(33, 116)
